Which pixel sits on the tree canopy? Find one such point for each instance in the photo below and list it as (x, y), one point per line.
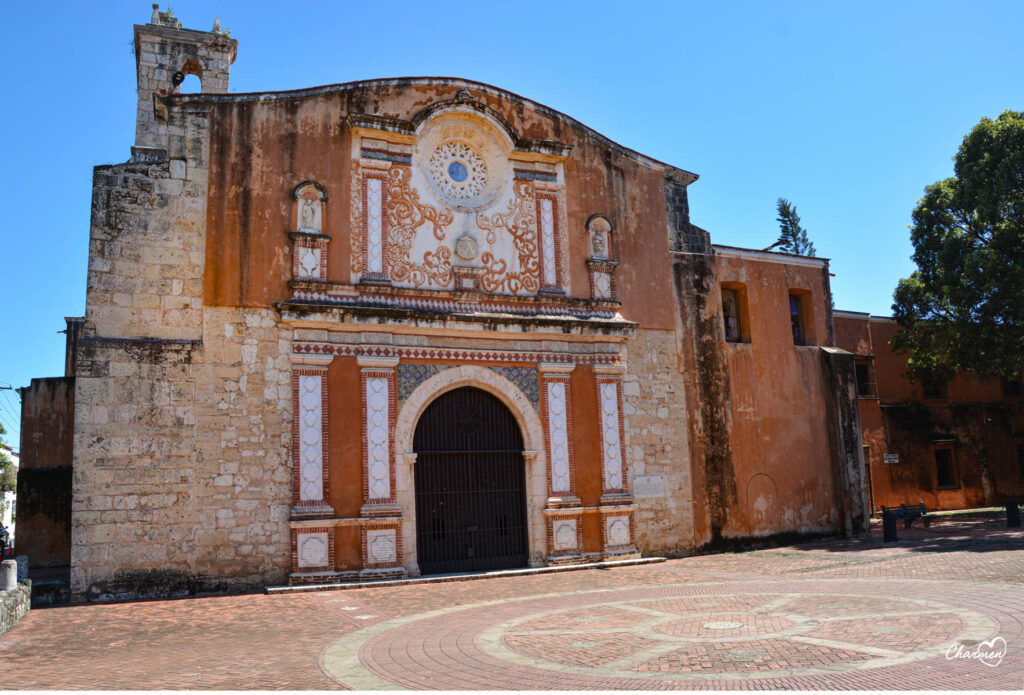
(963, 308)
(792, 237)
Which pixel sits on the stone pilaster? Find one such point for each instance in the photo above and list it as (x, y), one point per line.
(618, 532)
(375, 231)
(381, 516)
(558, 434)
(309, 436)
(379, 412)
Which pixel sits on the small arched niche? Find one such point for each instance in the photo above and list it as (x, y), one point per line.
(599, 231)
(309, 203)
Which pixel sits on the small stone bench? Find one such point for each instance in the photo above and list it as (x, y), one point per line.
(909, 512)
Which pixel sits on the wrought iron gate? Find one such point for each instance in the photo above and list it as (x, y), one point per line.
(470, 485)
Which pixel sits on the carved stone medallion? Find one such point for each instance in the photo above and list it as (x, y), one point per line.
(458, 171)
(464, 159)
(466, 247)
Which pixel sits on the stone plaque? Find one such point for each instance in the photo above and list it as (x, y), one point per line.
(891, 458)
(648, 486)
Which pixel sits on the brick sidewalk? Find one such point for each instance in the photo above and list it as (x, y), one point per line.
(826, 615)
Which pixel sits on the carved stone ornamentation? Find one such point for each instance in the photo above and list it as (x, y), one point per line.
(564, 535)
(310, 398)
(374, 226)
(558, 435)
(463, 157)
(599, 229)
(377, 439)
(617, 530)
(309, 242)
(381, 548)
(611, 452)
(466, 248)
(405, 216)
(312, 550)
(458, 171)
(309, 200)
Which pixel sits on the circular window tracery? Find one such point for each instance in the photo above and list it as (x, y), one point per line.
(458, 171)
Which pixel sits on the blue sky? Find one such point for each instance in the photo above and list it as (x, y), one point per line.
(847, 109)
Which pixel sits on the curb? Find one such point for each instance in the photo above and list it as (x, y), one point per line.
(468, 576)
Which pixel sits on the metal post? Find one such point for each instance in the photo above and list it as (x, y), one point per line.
(1012, 514)
(889, 527)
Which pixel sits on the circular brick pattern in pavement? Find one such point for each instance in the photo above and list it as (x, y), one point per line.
(718, 627)
(810, 635)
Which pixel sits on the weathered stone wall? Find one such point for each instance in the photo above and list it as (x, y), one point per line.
(162, 49)
(14, 605)
(182, 413)
(182, 478)
(654, 408)
(845, 441)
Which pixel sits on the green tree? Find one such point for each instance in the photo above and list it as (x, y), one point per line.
(8, 473)
(963, 308)
(792, 237)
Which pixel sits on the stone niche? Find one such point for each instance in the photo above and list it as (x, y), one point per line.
(309, 243)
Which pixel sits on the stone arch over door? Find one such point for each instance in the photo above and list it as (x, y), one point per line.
(533, 447)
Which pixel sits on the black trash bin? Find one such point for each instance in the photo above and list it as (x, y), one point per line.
(889, 527)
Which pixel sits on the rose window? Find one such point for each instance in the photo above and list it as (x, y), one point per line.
(458, 171)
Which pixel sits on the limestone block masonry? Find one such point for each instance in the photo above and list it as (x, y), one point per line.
(14, 605)
(654, 406)
(182, 469)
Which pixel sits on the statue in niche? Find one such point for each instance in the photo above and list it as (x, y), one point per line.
(310, 198)
(599, 247)
(308, 215)
(600, 229)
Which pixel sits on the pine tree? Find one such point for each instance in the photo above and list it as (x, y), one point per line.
(792, 237)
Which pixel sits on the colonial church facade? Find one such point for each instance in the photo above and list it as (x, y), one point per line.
(424, 325)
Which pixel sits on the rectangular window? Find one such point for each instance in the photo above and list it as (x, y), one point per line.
(731, 315)
(933, 387)
(945, 468)
(797, 320)
(865, 379)
(1011, 388)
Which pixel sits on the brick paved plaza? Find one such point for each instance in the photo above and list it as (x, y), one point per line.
(825, 615)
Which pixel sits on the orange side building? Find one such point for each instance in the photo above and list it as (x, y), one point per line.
(952, 445)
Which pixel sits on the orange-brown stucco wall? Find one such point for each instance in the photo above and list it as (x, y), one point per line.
(779, 435)
(587, 453)
(260, 151)
(973, 419)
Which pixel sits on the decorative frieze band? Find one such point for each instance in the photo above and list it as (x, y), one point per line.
(445, 305)
(453, 354)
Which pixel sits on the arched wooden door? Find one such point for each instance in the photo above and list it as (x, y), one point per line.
(470, 485)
